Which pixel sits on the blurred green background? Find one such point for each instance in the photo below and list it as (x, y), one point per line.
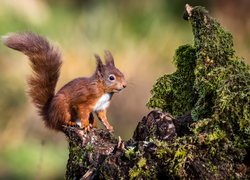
(142, 35)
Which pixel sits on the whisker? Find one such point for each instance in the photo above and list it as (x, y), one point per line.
(130, 85)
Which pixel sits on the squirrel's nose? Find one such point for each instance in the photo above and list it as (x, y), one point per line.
(124, 85)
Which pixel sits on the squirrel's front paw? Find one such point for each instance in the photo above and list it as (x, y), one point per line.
(110, 129)
(87, 128)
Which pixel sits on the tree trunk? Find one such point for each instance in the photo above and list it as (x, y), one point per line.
(210, 139)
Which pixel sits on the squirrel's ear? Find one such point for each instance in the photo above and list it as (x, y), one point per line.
(99, 65)
(109, 58)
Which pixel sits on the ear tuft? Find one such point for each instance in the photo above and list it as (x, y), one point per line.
(109, 58)
(98, 60)
(99, 65)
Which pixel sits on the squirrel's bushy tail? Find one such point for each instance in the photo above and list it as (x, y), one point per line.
(45, 62)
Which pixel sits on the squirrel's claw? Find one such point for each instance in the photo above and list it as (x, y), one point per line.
(88, 128)
(120, 144)
(110, 129)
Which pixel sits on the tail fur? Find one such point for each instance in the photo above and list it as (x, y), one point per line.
(45, 62)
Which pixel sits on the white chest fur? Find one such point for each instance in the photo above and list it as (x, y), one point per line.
(103, 102)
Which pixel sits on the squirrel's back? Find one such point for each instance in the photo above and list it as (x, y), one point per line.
(45, 62)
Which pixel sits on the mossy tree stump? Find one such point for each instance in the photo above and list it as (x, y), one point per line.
(209, 138)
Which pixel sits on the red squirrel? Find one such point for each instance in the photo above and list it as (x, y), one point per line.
(75, 102)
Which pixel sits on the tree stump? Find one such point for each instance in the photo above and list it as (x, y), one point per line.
(209, 138)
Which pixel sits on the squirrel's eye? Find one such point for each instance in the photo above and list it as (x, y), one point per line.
(111, 77)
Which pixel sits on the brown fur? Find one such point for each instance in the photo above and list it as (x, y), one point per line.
(77, 98)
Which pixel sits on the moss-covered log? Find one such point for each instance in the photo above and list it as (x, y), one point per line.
(208, 136)
(98, 155)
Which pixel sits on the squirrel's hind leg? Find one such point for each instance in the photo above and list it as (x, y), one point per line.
(92, 121)
(85, 117)
(60, 114)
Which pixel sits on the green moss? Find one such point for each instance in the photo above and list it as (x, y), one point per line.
(180, 154)
(130, 152)
(133, 173)
(140, 170)
(213, 85)
(202, 71)
(214, 52)
(81, 155)
(215, 136)
(174, 93)
(162, 150)
(142, 162)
